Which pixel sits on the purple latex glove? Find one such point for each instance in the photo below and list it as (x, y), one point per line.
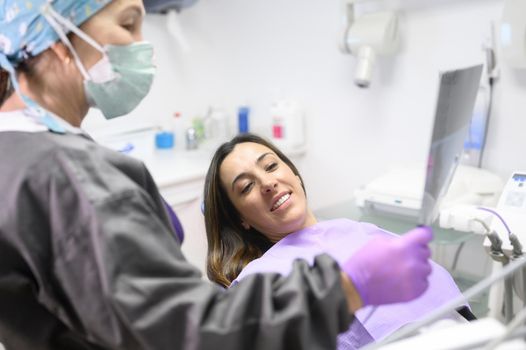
(391, 270)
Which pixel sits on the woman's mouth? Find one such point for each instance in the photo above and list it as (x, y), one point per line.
(281, 200)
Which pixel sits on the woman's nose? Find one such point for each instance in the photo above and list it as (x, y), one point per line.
(269, 185)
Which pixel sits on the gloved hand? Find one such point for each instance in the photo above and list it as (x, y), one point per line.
(390, 270)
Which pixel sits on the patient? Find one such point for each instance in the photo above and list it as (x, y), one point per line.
(258, 220)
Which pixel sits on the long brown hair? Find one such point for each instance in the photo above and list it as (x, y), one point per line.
(230, 246)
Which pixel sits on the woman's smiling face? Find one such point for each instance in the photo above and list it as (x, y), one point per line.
(265, 191)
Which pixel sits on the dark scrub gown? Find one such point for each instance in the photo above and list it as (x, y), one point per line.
(89, 260)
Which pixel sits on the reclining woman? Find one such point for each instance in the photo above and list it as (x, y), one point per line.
(258, 220)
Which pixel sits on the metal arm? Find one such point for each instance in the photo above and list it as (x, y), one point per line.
(349, 16)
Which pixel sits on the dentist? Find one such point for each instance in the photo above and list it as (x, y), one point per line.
(88, 254)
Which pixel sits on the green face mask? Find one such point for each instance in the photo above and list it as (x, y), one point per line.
(118, 82)
(121, 79)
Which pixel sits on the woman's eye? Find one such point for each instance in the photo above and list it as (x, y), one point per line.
(271, 166)
(128, 26)
(247, 188)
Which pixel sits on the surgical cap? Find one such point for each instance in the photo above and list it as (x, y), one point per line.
(25, 32)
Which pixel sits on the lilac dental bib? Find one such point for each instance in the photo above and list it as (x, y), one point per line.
(341, 238)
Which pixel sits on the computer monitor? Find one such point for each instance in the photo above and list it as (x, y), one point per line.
(456, 99)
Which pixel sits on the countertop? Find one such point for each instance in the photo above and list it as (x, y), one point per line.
(168, 167)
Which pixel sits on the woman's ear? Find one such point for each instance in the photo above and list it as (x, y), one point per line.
(62, 52)
(245, 225)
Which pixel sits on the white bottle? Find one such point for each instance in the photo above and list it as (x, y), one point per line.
(179, 127)
(216, 126)
(288, 124)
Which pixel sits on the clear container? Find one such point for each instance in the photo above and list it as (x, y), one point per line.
(288, 124)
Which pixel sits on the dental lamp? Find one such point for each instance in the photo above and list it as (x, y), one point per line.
(163, 6)
(366, 37)
(172, 9)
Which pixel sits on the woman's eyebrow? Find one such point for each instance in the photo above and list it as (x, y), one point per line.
(239, 176)
(261, 157)
(133, 10)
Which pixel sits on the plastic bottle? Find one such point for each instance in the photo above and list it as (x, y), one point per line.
(216, 126)
(288, 124)
(179, 129)
(243, 119)
(191, 138)
(199, 127)
(165, 138)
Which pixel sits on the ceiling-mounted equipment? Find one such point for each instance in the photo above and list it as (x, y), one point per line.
(368, 36)
(162, 6)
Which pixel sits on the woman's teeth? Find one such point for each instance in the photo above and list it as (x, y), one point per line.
(282, 200)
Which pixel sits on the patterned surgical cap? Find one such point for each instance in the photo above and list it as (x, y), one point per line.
(25, 32)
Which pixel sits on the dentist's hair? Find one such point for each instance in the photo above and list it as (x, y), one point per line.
(43, 73)
(5, 86)
(27, 67)
(230, 246)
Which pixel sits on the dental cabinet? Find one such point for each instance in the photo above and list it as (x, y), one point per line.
(185, 195)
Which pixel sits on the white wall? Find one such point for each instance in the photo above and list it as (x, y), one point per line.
(245, 51)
